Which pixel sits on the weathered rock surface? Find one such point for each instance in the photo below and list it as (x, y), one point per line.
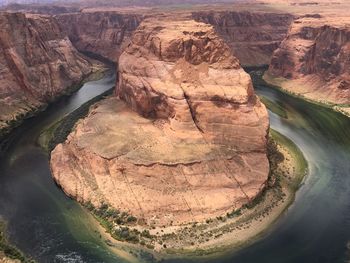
(252, 36)
(37, 64)
(185, 139)
(102, 33)
(313, 60)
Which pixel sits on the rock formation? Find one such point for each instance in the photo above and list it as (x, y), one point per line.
(102, 33)
(252, 36)
(184, 139)
(37, 64)
(313, 60)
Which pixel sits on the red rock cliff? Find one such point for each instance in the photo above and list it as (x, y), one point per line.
(102, 33)
(313, 60)
(38, 63)
(252, 36)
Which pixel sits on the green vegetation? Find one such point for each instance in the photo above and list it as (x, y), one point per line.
(118, 224)
(301, 167)
(8, 250)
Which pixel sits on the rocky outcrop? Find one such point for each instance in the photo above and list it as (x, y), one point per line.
(37, 63)
(184, 139)
(252, 36)
(102, 33)
(313, 60)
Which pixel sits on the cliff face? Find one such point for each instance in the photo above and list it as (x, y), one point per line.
(37, 64)
(102, 33)
(184, 141)
(253, 37)
(313, 60)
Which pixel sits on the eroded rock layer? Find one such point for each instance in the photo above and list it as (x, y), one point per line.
(314, 61)
(252, 36)
(185, 138)
(102, 33)
(37, 64)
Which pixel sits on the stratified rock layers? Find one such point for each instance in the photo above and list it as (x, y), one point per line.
(102, 33)
(185, 140)
(252, 36)
(314, 61)
(37, 64)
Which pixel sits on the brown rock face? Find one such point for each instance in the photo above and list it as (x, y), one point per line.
(314, 59)
(185, 140)
(252, 36)
(37, 64)
(102, 33)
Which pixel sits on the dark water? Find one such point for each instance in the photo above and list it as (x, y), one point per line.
(42, 221)
(316, 228)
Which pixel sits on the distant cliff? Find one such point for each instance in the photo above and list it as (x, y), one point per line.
(101, 33)
(252, 36)
(37, 63)
(313, 60)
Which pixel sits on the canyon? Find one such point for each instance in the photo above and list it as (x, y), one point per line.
(100, 33)
(181, 143)
(252, 36)
(184, 138)
(38, 64)
(313, 61)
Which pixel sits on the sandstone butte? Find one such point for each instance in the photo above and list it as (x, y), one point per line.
(37, 64)
(184, 137)
(313, 60)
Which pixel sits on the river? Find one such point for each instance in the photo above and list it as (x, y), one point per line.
(50, 227)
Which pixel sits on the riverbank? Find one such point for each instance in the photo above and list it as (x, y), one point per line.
(9, 253)
(97, 71)
(218, 235)
(288, 86)
(57, 132)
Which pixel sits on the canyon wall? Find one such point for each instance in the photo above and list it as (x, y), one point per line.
(101, 33)
(184, 139)
(252, 36)
(313, 60)
(37, 63)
